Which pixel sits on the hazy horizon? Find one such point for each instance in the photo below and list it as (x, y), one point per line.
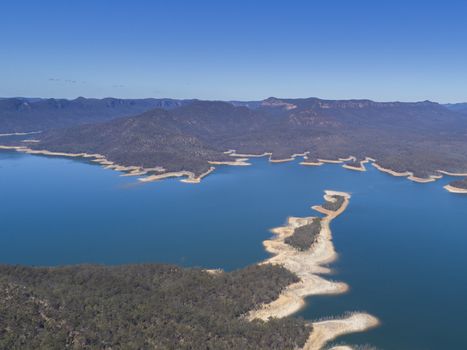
(211, 50)
(224, 100)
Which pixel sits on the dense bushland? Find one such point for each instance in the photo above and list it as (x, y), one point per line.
(142, 307)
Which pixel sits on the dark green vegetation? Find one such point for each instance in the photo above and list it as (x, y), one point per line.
(303, 237)
(460, 183)
(354, 163)
(158, 137)
(420, 137)
(335, 204)
(142, 307)
(24, 115)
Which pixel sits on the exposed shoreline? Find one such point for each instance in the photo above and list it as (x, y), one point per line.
(407, 174)
(330, 161)
(391, 172)
(326, 331)
(453, 189)
(308, 266)
(451, 174)
(431, 178)
(131, 170)
(361, 167)
(236, 162)
(311, 163)
(20, 133)
(241, 159)
(188, 176)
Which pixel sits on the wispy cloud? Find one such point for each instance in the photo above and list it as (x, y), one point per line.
(67, 81)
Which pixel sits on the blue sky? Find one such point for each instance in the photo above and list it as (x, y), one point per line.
(382, 50)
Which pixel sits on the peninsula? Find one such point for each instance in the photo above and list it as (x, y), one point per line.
(156, 305)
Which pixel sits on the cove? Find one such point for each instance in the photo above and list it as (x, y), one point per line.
(401, 245)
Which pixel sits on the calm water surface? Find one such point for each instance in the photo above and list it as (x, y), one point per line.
(402, 245)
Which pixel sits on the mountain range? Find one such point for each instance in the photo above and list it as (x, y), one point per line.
(34, 114)
(458, 107)
(419, 137)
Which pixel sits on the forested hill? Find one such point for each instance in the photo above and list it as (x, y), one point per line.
(421, 137)
(34, 114)
(143, 307)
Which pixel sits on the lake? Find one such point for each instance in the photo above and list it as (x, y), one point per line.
(402, 245)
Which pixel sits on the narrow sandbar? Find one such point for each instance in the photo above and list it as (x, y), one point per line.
(331, 161)
(311, 163)
(189, 177)
(421, 179)
(356, 168)
(361, 166)
(451, 174)
(283, 160)
(21, 133)
(348, 159)
(236, 162)
(197, 179)
(130, 170)
(158, 177)
(408, 174)
(304, 154)
(247, 155)
(454, 189)
(309, 265)
(391, 172)
(326, 331)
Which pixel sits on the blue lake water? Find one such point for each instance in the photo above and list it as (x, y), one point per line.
(402, 246)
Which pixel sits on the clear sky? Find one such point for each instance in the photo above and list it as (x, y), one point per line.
(219, 49)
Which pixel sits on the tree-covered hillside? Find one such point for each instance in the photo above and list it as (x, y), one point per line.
(142, 307)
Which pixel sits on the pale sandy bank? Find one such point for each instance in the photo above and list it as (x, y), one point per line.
(331, 161)
(236, 162)
(245, 156)
(348, 159)
(454, 189)
(408, 174)
(233, 153)
(131, 170)
(321, 161)
(451, 174)
(21, 133)
(309, 163)
(283, 160)
(422, 180)
(188, 176)
(356, 168)
(326, 331)
(361, 166)
(291, 158)
(240, 160)
(391, 172)
(94, 157)
(309, 266)
(197, 179)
